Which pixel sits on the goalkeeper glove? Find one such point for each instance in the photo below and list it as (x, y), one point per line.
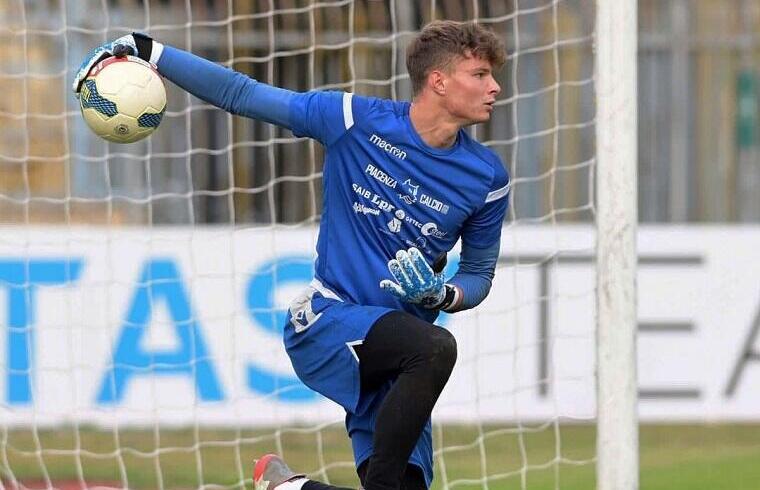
(416, 282)
(135, 44)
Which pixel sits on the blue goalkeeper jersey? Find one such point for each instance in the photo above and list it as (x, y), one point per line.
(385, 189)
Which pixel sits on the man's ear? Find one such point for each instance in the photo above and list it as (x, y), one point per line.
(437, 82)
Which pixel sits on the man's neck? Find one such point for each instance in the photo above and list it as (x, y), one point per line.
(434, 125)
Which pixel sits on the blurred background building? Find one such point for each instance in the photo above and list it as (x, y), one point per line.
(698, 107)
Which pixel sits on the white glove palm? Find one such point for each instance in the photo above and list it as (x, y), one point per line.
(416, 282)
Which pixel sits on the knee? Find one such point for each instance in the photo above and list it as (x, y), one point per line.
(443, 352)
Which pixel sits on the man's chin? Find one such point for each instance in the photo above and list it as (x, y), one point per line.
(478, 119)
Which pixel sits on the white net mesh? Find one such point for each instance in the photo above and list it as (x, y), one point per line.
(142, 352)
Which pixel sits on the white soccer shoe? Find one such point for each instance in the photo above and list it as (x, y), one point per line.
(271, 471)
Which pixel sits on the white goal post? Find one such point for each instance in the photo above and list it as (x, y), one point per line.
(616, 143)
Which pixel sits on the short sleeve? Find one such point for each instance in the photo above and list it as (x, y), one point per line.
(324, 116)
(483, 229)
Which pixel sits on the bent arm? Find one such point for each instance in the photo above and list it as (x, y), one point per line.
(474, 276)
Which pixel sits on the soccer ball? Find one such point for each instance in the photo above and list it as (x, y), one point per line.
(123, 99)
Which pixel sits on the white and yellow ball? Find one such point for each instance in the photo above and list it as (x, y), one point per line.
(123, 99)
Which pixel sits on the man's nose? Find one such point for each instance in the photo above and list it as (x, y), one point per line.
(495, 88)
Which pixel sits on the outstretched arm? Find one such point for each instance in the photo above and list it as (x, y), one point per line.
(319, 115)
(225, 88)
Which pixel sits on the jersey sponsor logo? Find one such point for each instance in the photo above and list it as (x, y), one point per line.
(409, 195)
(427, 229)
(373, 198)
(395, 224)
(380, 176)
(431, 229)
(387, 147)
(434, 204)
(362, 209)
(413, 221)
(419, 242)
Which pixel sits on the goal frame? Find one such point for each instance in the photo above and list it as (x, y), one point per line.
(616, 153)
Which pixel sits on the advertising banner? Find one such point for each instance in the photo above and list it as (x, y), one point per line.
(184, 326)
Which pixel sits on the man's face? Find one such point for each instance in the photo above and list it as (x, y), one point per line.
(471, 90)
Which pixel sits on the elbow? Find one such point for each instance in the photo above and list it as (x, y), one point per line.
(233, 95)
(481, 296)
(473, 289)
(487, 291)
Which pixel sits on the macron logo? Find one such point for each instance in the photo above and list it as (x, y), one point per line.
(389, 148)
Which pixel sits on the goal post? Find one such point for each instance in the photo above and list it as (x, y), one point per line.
(616, 207)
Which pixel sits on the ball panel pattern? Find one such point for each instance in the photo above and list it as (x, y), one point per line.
(150, 120)
(123, 100)
(91, 99)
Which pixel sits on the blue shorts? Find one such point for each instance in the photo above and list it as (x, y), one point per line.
(320, 335)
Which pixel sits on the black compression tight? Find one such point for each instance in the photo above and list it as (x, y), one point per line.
(413, 479)
(420, 357)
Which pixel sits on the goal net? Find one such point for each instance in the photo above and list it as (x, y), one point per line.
(143, 287)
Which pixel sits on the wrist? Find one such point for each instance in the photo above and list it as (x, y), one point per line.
(451, 299)
(155, 52)
(147, 48)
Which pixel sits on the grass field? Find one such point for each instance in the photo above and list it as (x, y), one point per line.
(673, 457)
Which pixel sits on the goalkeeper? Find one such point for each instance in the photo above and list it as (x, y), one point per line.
(403, 182)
